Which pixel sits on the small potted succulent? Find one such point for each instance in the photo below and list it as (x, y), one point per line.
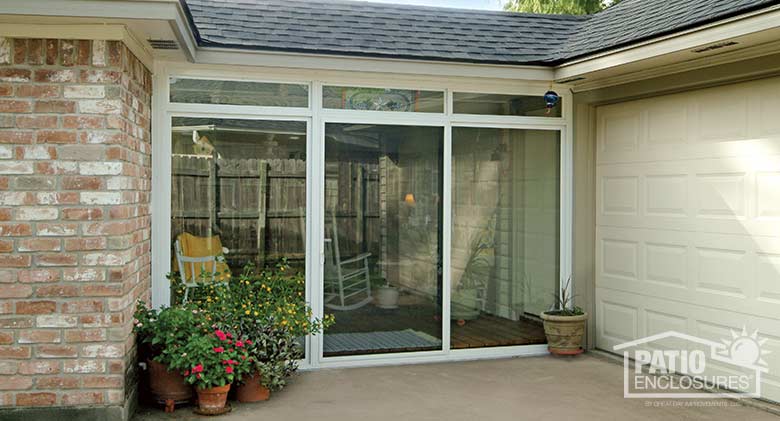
(212, 362)
(564, 325)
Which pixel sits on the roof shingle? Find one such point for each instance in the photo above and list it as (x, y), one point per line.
(444, 34)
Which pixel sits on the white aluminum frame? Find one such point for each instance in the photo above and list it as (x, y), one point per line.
(316, 117)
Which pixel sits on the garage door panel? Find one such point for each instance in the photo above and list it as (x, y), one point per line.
(730, 196)
(688, 218)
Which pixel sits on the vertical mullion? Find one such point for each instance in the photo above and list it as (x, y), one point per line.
(316, 183)
(447, 229)
(161, 190)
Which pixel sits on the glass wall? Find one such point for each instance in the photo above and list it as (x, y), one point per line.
(505, 234)
(383, 238)
(238, 190)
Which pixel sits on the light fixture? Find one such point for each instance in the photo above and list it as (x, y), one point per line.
(409, 199)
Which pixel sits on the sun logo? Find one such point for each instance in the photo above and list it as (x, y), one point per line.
(745, 349)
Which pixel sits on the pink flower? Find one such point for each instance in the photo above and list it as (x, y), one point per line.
(229, 369)
(187, 373)
(219, 350)
(220, 334)
(198, 368)
(198, 376)
(229, 335)
(239, 344)
(248, 342)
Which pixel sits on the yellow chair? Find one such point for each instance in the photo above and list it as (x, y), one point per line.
(201, 261)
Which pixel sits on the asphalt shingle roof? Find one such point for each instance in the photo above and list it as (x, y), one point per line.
(445, 34)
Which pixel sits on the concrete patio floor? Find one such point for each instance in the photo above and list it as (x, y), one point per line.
(584, 388)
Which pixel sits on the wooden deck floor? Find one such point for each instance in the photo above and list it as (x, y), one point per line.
(485, 331)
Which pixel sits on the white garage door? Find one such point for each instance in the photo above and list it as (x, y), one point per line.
(688, 217)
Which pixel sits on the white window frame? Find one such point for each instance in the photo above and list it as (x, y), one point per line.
(316, 117)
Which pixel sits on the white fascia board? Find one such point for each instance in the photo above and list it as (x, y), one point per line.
(765, 19)
(370, 64)
(170, 11)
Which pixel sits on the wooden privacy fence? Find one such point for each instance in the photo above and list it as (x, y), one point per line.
(258, 206)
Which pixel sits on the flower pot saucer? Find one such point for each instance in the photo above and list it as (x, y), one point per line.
(227, 408)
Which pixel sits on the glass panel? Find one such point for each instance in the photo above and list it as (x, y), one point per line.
(378, 99)
(229, 92)
(505, 234)
(497, 104)
(241, 184)
(383, 189)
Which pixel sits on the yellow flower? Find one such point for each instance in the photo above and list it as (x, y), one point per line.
(257, 314)
(247, 312)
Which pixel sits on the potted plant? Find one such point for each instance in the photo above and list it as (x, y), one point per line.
(386, 295)
(212, 362)
(564, 325)
(162, 334)
(269, 310)
(465, 296)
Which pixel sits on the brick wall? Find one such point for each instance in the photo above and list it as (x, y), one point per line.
(74, 219)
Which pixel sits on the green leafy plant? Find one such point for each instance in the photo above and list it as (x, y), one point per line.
(168, 330)
(214, 359)
(268, 308)
(564, 304)
(478, 266)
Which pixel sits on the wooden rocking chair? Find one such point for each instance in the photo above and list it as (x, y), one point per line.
(345, 280)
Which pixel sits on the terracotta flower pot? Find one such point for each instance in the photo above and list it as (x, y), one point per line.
(252, 390)
(564, 333)
(168, 387)
(212, 400)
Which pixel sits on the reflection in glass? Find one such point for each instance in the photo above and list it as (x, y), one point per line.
(505, 234)
(498, 104)
(383, 189)
(230, 92)
(241, 183)
(378, 99)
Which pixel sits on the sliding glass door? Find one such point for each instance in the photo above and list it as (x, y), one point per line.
(383, 238)
(505, 234)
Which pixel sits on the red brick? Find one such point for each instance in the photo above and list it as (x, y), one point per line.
(39, 367)
(82, 398)
(52, 51)
(20, 51)
(84, 47)
(39, 336)
(6, 246)
(16, 323)
(39, 244)
(14, 290)
(35, 51)
(82, 306)
(82, 183)
(15, 383)
(36, 399)
(111, 290)
(14, 352)
(36, 121)
(35, 307)
(85, 335)
(100, 76)
(13, 136)
(14, 75)
(14, 261)
(6, 89)
(13, 230)
(83, 122)
(52, 229)
(99, 382)
(6, 338)
(38, 91)
(14, 106)
(81, 214)
(55, 168)
(78, 244)
(57, 291)
(56, 351)
(68, 52)
(56, 76)
(52, 136)
(57, 198)
(57, 382)
(55, 106)
(39, 275)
